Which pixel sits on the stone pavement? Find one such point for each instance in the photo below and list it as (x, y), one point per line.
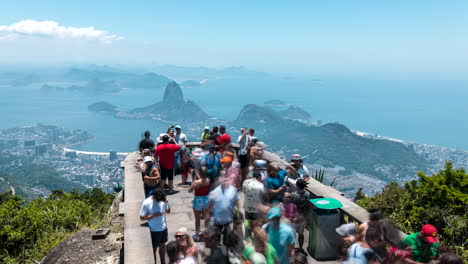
(182, 216)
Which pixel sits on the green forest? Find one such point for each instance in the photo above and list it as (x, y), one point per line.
(29, 229)
(440, 200)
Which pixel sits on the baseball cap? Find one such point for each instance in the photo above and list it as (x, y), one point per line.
(296, 157)
(274, 212)
(346, 229)
(207, 128)
(430, 232)
(177, 126)
(147, 159)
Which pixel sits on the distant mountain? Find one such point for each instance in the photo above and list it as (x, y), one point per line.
(295, 112)
(274, 102)
(122, 78)
(332, 144)
(103, 107)
(190, 84)
(173, 107)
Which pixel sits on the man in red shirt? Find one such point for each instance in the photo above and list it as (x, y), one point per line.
(224, 140)
(165, 152)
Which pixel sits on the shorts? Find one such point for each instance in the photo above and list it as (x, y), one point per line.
(200, 202)
(244, 161)
(167, 174)
(158, 237)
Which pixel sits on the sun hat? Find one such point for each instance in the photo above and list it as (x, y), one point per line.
(326, 203)
(430, 232)
(346, 229)
(198, 152)
(147, 159)
(274, 212)
(296, 157)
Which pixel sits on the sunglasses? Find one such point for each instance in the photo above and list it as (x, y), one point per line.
(179, 236)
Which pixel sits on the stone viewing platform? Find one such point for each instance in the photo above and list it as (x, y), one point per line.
(137, 239)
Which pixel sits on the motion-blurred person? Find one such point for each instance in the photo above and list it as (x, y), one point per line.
(424, 245)
(244, 141)
(223, 199)
(347, 238)
(146, 142)
(201, 189)
(218, 253)
(210, 164)
(231, 169)
(276, 182)
(301, 199)
(280, 235)
(187, 252)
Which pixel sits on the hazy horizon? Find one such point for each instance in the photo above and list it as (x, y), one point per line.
(397, 39)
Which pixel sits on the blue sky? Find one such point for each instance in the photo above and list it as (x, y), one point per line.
(402, 37)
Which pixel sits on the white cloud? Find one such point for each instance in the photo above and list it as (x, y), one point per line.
(51, 29)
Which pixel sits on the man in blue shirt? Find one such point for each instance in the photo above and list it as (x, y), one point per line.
(276, 182)
(281, 236)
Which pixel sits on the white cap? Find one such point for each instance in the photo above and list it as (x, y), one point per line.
(147, 158)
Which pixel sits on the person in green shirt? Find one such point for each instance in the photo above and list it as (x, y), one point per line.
(260, 244)
(205, 135)
(424, 245)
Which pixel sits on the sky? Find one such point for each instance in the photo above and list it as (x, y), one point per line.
(420, 38)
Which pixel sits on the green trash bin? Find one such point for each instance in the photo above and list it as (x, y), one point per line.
(322, 222)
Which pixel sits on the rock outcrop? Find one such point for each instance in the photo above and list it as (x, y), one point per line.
(173, 107)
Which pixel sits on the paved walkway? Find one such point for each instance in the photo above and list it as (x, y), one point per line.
(182, 216)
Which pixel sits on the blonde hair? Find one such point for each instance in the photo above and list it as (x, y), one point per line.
(184, 230)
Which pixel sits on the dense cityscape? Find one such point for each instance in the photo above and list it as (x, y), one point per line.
(47, 145)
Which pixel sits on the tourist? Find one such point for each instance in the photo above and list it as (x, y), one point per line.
(187, 252)
(231, 169)
(147, 165)
(260, 245)
(151, 181)
(180, 138)
(224, 140)
(256, 151)
(297, 170)
(347, 238)
(424, 244)
(244, 141)
(201, 189)
(166, 152)
(301, 199)
(185, 167)
(210, 164)
(260, 166)
(280, 235)
(146, 143)
(214, 136)
(372, 243)
(289, 210)
(171, 249)
(276, 182)
(218, 253)
(251, 132)
(375, 221)
(223, 199)
(154, 210)
(254, 193)
(205, 135)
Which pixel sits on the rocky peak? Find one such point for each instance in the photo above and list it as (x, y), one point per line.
(173, 93)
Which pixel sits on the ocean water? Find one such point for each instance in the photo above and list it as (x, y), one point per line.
(431, 112)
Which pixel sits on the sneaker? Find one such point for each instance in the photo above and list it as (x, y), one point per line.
(170, 191)
(166, 187)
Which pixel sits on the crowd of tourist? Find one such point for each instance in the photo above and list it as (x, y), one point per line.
(253, 208)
